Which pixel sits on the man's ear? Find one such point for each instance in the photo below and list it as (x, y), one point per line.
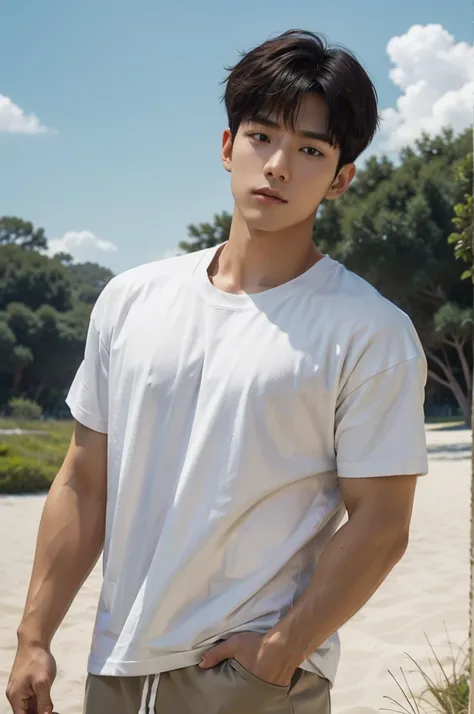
(342, 182)
(227, 150)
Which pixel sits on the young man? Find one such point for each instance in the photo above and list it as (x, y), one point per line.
(232, 405)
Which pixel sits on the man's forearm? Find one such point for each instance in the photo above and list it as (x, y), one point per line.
(70, 540)
(351, 568)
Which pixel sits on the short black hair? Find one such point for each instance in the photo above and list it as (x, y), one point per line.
(272, 79)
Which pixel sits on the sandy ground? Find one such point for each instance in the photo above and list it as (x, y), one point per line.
(425, 596)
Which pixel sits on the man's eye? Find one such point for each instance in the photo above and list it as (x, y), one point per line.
(311, 151)
(258, 136)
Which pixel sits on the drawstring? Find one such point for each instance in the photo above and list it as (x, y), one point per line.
(146, 686)
(153, 695)
(154, 692)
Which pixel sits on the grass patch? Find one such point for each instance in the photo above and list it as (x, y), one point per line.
(29, 462)
(446, 690)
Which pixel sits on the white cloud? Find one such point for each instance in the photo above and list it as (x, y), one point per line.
(82, 245)
(436, 76)
(13, 119)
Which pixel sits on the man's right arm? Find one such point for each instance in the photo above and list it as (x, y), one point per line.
(70, 541)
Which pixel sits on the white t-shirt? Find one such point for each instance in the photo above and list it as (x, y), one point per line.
(229, 419)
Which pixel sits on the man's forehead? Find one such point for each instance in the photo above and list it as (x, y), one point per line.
(310, 111)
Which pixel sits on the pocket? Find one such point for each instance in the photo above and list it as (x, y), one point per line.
(252, 679)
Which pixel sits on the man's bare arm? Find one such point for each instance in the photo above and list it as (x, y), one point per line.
(70, 538)
(353, 565)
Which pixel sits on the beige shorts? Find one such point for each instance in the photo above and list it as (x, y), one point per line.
(227, 688)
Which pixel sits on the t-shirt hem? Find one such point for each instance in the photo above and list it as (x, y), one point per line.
(140, 668)
(373, 469)
(156, 665)
(87, 419)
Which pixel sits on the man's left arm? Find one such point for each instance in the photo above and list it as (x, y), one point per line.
(352, 567)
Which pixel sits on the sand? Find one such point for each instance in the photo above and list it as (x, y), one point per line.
(426, 594)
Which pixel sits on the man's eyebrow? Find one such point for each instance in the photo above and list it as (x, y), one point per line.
(305, 133)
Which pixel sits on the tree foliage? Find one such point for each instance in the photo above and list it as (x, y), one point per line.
(89, 279)
(15, 231)
(45, 306)
(463, 236)
(207, 235)
(24, 409)
(34, 279)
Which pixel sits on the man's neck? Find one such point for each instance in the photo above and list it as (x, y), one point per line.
(255, 261)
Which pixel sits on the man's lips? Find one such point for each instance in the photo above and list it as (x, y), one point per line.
(269, 196)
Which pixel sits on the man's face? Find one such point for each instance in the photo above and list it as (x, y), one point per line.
(299, 165)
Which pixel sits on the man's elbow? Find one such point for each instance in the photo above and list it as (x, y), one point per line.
(393, 541)
(400, 544)
(387, 537)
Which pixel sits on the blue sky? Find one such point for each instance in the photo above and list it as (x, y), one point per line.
(131, 95)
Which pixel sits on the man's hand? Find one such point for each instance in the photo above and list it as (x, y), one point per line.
(259, 654)
(70, 540)
(29, 688)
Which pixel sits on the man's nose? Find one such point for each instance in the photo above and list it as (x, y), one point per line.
(277, 166)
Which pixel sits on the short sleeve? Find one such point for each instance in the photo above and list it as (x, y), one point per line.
(88, 396)
(380, 428)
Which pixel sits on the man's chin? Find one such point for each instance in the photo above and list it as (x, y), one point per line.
(265, 224)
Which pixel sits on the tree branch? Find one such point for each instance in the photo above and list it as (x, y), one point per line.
(451, 343)
(445, 356)
(465, 367)
(461, 395)
(438, 379)
(445, 367)
(428, 297)
(434, 293)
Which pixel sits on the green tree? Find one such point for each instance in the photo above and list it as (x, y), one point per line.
(463, 236)
(23, 322)
(14, 357)
(7, 345)
(64, 258)
(34, 279)
(208, 235)
(88, 279)
(451, 336)
(18, 325)
(22, 357)
(15, 231)
(58, 351)
(45, 306)
(24, 409)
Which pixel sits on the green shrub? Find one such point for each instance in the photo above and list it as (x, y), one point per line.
(24, 409)
(19, 475)
(446, 691)
(3, 449)
(31, 460)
